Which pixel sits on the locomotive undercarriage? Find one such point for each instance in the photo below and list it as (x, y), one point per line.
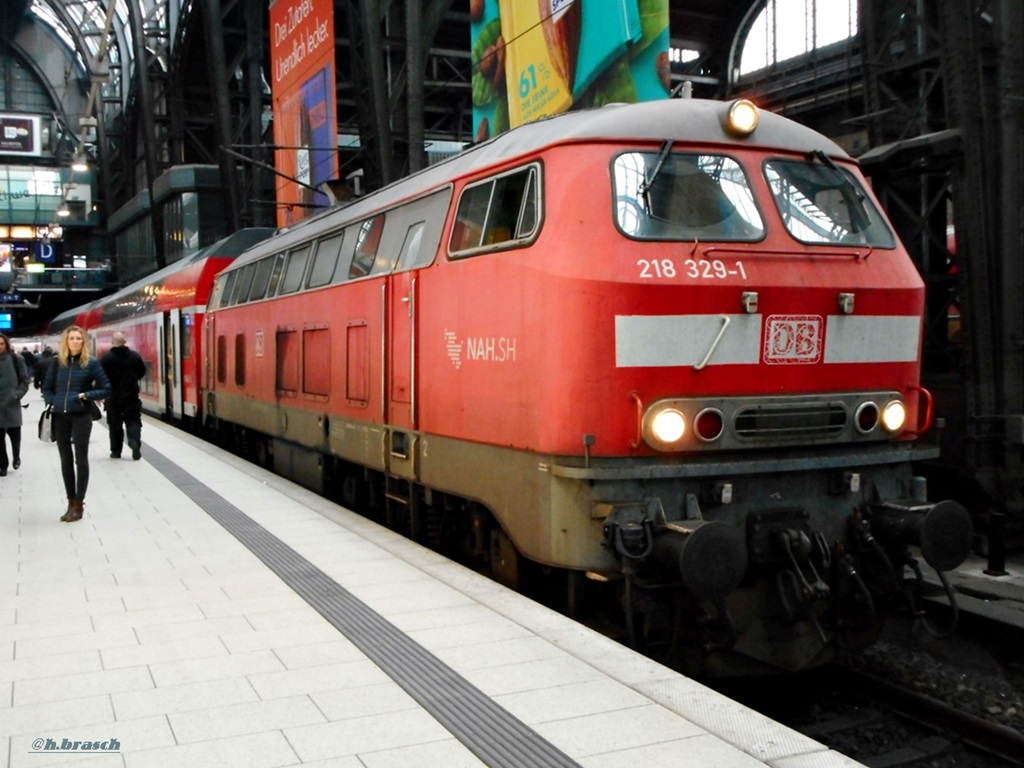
(780, 571)
(773, 563)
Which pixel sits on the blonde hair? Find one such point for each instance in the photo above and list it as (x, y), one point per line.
(65, 351)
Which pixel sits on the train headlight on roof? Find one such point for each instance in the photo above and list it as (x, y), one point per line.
(742, 117)
(894, 416)
(664, 428)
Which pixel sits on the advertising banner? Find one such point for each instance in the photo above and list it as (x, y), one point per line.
(20, 135)
(303, 94)
(533, 58)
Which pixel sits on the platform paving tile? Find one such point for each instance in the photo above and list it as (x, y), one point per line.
(337, 651)
(183, 698)
(463, 657)
(287, 636)
(240, 719)
(455, 616)
(174, 614)
(495, 630)
(348, 675)
(56, 625)
(77, 686)
(701, 751)
(365, 734)
(57, 715)
(183, 672)
(198, 648)
(367, 700)
(221, 605)
(765, 738)
(97, 640)
(50, 666)
(48, 614)
(531, 675)
(570, 701)
(261, 750)
(450, 754)
(618, 730)
(162, 633)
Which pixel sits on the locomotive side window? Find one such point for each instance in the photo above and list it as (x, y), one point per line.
(367, 243)
(295, 269)
(227, 283)
(261, 278)
(418, 229)
(325, 261)
(684, 196)
(275, 275)
(498, 212)
(821, 203)
(243, 283)
(412, 246)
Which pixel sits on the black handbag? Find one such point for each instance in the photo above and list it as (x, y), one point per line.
(46, 425)
(94, 411)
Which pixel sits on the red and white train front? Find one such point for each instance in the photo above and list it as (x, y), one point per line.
(714, 341)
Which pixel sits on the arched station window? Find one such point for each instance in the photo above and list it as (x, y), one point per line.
(785, 29)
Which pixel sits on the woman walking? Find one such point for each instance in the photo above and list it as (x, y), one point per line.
(71, 382)
(13, 386)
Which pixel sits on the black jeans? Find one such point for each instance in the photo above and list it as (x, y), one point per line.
(124, 420)
(15, 435)
(73, 431)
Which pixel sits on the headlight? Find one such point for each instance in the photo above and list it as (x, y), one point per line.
(742, 118)
(668, 426)
(894, 416)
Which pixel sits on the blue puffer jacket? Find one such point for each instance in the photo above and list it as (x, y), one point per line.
(64, 384)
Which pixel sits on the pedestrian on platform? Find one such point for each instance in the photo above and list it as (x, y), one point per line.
(124, 368)
(72, 382)
(13, 386)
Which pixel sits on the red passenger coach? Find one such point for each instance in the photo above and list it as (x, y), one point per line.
(161, 317)
(669, 350)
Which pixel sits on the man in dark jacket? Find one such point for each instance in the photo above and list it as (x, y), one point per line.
(124, 368)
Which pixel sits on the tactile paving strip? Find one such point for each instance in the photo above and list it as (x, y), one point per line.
(494, 735)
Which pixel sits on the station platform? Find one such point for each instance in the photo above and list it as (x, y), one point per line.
(208, 613)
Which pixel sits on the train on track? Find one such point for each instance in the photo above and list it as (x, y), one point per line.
(662, 357)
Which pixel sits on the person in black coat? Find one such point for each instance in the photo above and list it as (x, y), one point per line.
(124, 367)
(13, 386)
(74, 381)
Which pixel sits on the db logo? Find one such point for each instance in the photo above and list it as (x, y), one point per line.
(792, 339)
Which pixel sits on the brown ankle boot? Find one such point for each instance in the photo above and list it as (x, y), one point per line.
(77, 511)
(66, 517)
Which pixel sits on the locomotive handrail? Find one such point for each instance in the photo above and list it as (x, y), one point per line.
(790, 254)
(929, 411)
(714, 345)
(634, 395)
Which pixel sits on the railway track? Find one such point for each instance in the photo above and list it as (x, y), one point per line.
(882, 723)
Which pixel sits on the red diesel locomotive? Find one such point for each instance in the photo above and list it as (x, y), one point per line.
(670, 350)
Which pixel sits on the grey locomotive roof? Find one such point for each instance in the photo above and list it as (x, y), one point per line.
(647, 122)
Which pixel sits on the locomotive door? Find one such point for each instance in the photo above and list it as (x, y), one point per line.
(401, 367)
(172, 363)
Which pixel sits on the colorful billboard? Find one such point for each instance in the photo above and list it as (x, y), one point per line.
(303, 94)
(533, 58)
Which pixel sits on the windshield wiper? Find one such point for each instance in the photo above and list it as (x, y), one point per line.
(645, 186)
